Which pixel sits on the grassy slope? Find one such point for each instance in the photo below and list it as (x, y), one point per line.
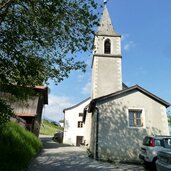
(17, 147)
(49, 128)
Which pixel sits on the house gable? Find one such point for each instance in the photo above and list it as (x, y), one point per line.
(72, 107)
(73, 123)
(129, 91)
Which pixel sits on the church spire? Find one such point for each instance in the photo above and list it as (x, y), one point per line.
(106, 27)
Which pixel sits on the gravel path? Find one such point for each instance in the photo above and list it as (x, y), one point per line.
(59, 157)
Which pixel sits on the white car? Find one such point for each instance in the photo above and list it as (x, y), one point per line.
(163, 162)
(151, 146)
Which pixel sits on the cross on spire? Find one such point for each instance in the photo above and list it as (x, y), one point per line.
(105, 2)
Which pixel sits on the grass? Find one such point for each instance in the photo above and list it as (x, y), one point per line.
(17, 147)
(49, 128)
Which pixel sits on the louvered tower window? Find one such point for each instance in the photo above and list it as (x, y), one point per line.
(107, 48)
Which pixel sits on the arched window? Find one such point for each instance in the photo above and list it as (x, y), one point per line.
(107, 47)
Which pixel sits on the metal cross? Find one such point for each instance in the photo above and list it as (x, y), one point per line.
(105, 2)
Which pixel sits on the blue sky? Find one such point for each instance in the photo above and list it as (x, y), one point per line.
(145, 27)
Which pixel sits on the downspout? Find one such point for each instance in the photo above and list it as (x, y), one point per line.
(97, 134)
(93, 108)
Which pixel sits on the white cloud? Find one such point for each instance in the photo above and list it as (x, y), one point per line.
(125, 36)
(80, 77)
(127, 43)
(86, 90)
(54, 110)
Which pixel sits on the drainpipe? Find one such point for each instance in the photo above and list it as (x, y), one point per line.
(92, 108)
(97, 133)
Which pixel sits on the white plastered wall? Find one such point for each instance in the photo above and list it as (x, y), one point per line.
(106, 68)
(71, 130)
(116, 141)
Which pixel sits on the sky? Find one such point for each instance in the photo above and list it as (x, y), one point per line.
(145, 27)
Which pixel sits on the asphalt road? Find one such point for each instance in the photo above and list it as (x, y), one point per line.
(59, 157)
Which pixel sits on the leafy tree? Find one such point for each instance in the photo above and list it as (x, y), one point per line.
(5, 112)
(39, 40)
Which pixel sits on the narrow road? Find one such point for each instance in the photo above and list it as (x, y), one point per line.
(59, 157)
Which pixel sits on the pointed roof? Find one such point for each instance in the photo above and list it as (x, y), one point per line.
(106, 27)
(129, 90)
(72, 107)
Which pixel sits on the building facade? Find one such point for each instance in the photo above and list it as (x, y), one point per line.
(74, 130)
(117, 117)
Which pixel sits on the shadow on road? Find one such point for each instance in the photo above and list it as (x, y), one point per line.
(48, 143)
(62, 157)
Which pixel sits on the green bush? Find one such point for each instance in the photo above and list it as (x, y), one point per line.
(5, 112)
(17, 147)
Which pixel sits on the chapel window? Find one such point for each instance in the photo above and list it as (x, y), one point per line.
(107, 46)
(135, 118)
(80, 124)
(80, 114)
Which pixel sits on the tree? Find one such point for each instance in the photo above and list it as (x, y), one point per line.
(5, 112)
(39, 39)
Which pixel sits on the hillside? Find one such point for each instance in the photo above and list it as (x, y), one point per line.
(49, 128)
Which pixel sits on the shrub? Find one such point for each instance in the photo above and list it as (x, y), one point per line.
(17, 147)
(5, 112)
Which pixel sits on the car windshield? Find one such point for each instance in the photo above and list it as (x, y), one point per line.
(167, 143)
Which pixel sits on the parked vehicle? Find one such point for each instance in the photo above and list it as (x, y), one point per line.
(163, 162)
(151, 146)
(58, 137)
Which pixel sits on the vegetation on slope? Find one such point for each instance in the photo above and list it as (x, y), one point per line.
(17, 147)
(49, 128)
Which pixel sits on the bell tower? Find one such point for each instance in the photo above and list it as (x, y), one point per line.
(106, 63)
